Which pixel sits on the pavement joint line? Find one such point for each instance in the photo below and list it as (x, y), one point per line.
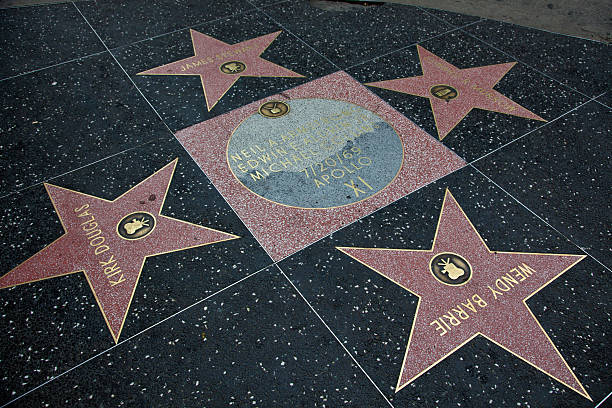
(525, 64)
(516, 24)
(600, 102)
(186, 28)
(136, 335)
(173, 134)
(21, 190)
(132, 43)
(124, 71)
(470, 164)
(53, 65)
(226, 201)
(334, 334)
(603, 400)
(435, 180)
(424, 10)
(541, 219)
(413, 44)
(537, 128)
(375, 211)
(260, 9)
(401, 49)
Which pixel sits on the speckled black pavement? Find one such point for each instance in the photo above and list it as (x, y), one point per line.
(217, 323)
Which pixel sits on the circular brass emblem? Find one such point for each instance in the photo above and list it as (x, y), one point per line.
(232, 67)
(444, 92)
(274, 109)
(136, 225)
(450, 269)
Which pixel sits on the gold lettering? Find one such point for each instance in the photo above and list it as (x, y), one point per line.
(318, 183)
(495, 292)
(451, 319)
(84, 214)
(81, 208)
(257, 175)
(110, 260)
(509, 280)
(460, 312)
(439, 327)
(501, 285)
(479, 301)
(92, 224)
(118, 281)
(517, 273)
(526, 269)
(101, 249)
(469, 305)
(110, 271)
(98, 232)
(95, 240)
(356, 189)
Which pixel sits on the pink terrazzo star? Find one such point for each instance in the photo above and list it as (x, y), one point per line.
(109, 241)
(454, 92)
(478, 292)
(219, 65)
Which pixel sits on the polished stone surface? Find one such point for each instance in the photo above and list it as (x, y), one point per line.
(180, 99)
(34, 38)
(67, 116)
(584, 65)
(564, 176)
(307, 174)
(54, 324)
(351, 36)
(480, 131)
(290, 168)
(123, 22)
(373, 316)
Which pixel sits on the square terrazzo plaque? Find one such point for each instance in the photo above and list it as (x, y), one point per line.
(427, 294)
(301, 164)
(102, 253)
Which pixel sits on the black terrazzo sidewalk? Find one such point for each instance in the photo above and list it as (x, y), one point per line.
(218, 324)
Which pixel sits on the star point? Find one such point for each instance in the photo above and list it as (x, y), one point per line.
(466, 290)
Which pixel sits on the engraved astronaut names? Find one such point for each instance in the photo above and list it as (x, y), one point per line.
(325, 136)
(466, 310)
